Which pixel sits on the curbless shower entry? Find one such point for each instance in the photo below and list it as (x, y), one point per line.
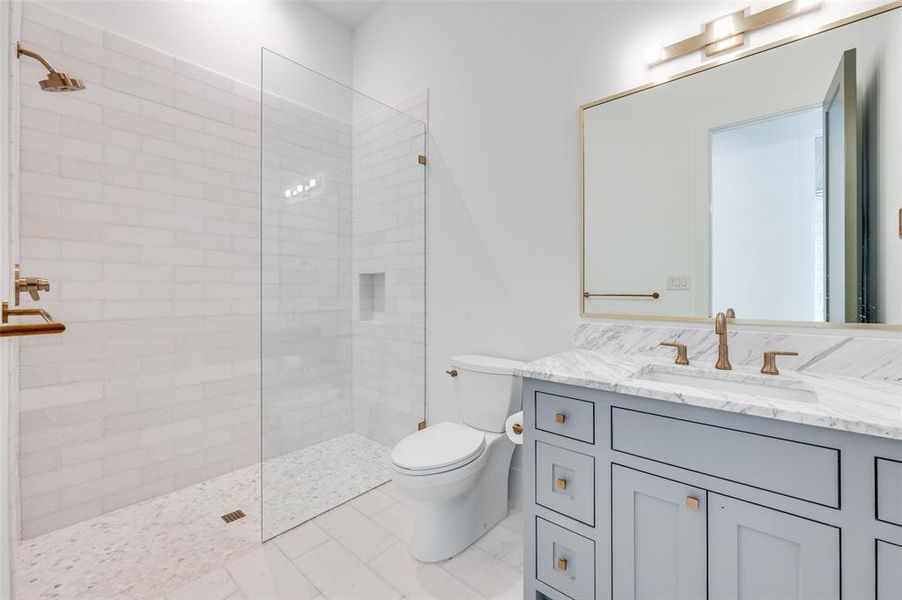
(343, 259)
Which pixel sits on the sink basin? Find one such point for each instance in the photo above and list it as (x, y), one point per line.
(765, 386)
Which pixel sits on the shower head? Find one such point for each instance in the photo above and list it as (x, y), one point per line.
(56, 81)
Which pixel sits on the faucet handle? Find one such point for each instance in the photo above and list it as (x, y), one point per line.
(770, 361)
(682, 357)
(29, 285)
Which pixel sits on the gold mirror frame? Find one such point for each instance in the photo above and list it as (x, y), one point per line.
(700, 69)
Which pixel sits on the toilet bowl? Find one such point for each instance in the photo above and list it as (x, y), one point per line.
(457, 473)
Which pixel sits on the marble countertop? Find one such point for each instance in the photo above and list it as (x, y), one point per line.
(843, 403)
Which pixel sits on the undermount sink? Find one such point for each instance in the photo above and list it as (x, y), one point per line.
(766, 386)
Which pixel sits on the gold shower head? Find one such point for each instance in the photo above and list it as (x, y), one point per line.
(56, 81)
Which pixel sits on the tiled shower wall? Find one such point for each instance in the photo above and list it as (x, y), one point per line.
(306, 278)
(389, 216)
(140, 202)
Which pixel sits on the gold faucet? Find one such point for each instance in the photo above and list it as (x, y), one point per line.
(29, 285)
(723, 348)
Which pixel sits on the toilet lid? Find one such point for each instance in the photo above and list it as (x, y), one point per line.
(438, 446)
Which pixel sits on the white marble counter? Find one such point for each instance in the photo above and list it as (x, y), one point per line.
(843, 403)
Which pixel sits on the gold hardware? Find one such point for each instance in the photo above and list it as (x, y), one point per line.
(692, 503)
(452, 372)
(728, 32)
(560, 417)
(517, 428)
(682, 357)
(770, 361)
(562, 564)
(29, 285)
(731, 314)
(47, 327)
(233, 516)
(421, 159)
(654, 295)
(723, 348)
(561, 484)
(56, 81)
(421, 425)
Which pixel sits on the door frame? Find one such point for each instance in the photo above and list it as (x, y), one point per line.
(10, 25)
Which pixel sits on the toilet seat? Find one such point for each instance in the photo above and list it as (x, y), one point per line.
(437, 449)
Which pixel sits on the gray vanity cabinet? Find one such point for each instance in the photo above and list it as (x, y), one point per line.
(756, 552)
(658, 537)
(628, 498)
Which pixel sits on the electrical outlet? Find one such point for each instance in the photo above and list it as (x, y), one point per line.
(678, 282)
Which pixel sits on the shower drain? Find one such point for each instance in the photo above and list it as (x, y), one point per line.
(233, 516)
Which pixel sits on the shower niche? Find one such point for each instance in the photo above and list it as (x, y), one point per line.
(371, 294)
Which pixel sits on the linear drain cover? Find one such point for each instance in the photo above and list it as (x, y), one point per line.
(233, 516)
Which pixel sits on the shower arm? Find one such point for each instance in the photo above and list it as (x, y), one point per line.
(20, 51)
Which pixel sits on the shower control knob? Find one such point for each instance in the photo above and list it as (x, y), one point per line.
(452, 372)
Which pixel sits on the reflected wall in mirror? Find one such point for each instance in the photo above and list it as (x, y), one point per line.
(770, 184)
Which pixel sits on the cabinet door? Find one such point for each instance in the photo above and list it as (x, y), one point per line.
(758, 553)
(889, 571)
(658, 530)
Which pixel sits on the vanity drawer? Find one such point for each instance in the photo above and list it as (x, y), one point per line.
(567, 417)
(565, 482)
(565, 560)
(796, 469)
(889, 491)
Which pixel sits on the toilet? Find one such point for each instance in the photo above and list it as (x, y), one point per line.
(457, 473)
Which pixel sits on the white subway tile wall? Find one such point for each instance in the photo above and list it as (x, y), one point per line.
(306, 278)
(140, 201)
(389, 237)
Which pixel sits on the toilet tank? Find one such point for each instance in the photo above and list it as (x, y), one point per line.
(486, 390)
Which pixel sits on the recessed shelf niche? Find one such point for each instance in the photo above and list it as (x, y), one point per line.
(372, 297)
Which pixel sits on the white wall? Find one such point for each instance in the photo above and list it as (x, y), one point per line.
(505, 81)
(779, 216)
(226, 36)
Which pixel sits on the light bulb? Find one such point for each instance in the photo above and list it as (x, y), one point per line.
(723, 28)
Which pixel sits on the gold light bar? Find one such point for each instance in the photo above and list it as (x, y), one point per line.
(727, 33)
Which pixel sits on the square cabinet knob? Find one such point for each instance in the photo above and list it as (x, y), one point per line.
(561, 484)
(560, 417)
(692, 503)
(562, 564)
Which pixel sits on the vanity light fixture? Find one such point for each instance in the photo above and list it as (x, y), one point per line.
(728, 32)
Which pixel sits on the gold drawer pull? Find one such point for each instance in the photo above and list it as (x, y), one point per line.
(562, 564)
(517, 428)
(692, 503)
(560, 417)
(561, 484)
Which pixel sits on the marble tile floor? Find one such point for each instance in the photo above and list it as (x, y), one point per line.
(360, 550)
(148, 549)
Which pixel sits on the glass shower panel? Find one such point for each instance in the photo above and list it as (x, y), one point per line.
(343, 289)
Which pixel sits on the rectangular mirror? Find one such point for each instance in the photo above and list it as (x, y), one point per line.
(770, 184)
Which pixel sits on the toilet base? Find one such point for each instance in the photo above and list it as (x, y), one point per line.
(453, 515)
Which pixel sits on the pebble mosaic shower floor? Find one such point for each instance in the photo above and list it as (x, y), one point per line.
(149, 549)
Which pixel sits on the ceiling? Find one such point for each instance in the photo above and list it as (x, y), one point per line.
(350, 13)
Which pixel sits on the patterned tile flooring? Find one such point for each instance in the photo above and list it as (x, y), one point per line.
(149, 549)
